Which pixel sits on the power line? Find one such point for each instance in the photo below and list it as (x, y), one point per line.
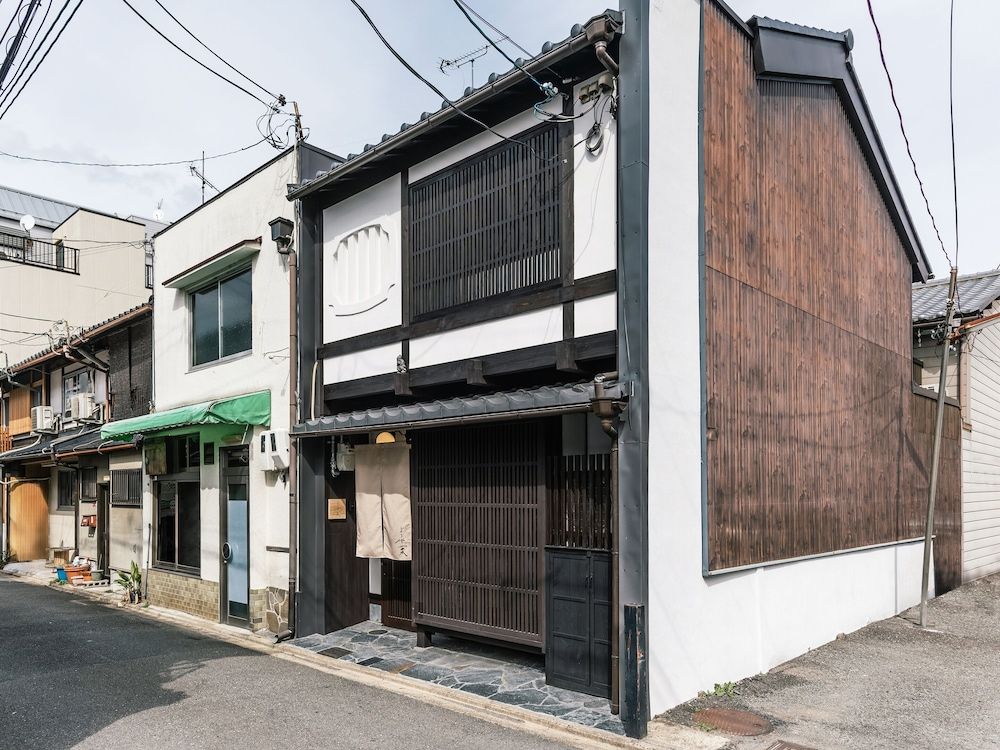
(430, 85)
(899, 114)
(216, 55)
(14, 47)
(44, 55)
(191, 57)
(503, 35)
(31, 45)
(117, 165)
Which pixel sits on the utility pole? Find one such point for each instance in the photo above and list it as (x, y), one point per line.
(15, 45)
(299, 134)
(936, 453)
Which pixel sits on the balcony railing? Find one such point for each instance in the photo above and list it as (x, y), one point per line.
(33, 252)
(5, 440)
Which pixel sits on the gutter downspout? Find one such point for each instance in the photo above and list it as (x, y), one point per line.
(293, 415)
(607, 410)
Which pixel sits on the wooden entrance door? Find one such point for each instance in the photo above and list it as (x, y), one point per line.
(397, 600)
(478, 531)
(346, 574)
(29, 521)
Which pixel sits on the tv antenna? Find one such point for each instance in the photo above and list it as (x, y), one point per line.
(469, 58)
(201, 176)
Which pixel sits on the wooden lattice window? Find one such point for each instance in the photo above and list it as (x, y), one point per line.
(490, 224)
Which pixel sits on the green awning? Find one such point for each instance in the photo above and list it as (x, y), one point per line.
(252, 409)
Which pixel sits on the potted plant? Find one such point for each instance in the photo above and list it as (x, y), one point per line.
(131, 582)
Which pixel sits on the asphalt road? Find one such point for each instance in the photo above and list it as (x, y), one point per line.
(74, 673)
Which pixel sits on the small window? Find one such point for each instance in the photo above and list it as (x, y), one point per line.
(78, 382)
(88, 484)
(126, 487)
(221, 319)
(183, 454)
(67, 489)
(178, 525)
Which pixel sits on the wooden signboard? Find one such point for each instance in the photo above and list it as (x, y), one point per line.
(336, 509)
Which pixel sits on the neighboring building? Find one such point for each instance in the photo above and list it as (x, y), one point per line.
(68, 490)
(973, 380)
(681, 261)
(218, 512)
(74, 268)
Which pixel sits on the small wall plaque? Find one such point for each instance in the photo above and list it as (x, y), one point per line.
(336, 509)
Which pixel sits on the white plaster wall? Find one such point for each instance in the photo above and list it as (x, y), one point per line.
(704, 630)
(127, 530)
(506, 334)
(379, 204)
(62, 521)
(376, 361)
(981, 456)
(111, 280)
(595, 315)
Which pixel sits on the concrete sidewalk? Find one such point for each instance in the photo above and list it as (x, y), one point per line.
(888, 685)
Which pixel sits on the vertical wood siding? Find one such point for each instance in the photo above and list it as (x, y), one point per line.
(808, 322)
(981, 453)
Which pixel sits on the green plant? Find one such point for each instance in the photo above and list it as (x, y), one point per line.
(131, 583)
(727, 689)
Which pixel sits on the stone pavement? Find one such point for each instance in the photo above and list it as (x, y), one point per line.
(511, 677)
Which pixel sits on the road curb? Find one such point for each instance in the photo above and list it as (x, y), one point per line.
(663, 736)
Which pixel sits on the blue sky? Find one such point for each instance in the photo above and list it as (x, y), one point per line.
(113, 91)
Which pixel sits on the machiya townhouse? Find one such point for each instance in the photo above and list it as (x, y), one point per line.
(603, 381)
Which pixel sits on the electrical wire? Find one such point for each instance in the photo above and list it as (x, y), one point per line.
(216, 55)
(26, 22)
(546, 88)
(902, 127)
(430, 85)
(191, 57)
(10, 102)
(951, 114)
(13, 18)
(118, 165)
(31, 45)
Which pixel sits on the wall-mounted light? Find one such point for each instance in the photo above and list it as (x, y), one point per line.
(281, 233)
(385, 437)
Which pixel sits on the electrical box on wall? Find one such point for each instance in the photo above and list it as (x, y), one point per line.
(272, 450)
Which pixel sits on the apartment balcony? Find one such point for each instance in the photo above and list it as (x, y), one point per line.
(33, 252)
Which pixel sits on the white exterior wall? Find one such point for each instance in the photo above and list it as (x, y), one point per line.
(239, 214)
(62, 521)
(981, 455)
(111, 280)
(704, 630)
(127, 532)
(594, 243)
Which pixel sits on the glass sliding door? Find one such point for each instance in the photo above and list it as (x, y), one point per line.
(235, 533)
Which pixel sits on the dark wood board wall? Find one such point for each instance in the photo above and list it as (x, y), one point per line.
(808, 360)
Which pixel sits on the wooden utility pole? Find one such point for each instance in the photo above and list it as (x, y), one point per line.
(936, 453)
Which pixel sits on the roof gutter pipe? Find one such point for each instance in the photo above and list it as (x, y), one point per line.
(600, 31)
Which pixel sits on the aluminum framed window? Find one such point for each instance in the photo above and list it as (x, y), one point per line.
(222, 318)
(177, 521)
(88, 484)
(126, 487)
(66, 497)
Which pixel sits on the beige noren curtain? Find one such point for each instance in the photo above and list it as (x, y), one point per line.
(382, 485)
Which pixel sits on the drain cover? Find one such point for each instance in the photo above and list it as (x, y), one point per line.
(377, 632)
(731, 721)
(334, 653)
(782, 745)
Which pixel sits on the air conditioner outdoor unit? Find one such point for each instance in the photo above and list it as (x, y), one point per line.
(273, 450)
(82, 406)
(42, 419)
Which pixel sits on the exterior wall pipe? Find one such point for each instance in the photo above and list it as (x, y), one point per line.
(293, 413)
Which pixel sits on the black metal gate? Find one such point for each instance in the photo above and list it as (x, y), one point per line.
(478, 531)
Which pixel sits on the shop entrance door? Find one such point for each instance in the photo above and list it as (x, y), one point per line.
(234, 542)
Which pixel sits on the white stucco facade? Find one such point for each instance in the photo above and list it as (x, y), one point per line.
(239, 214)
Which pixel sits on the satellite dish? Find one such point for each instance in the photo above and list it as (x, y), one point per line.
(27, 222)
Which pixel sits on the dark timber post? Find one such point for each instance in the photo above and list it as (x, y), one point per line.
(633, 354)
(311, 600)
